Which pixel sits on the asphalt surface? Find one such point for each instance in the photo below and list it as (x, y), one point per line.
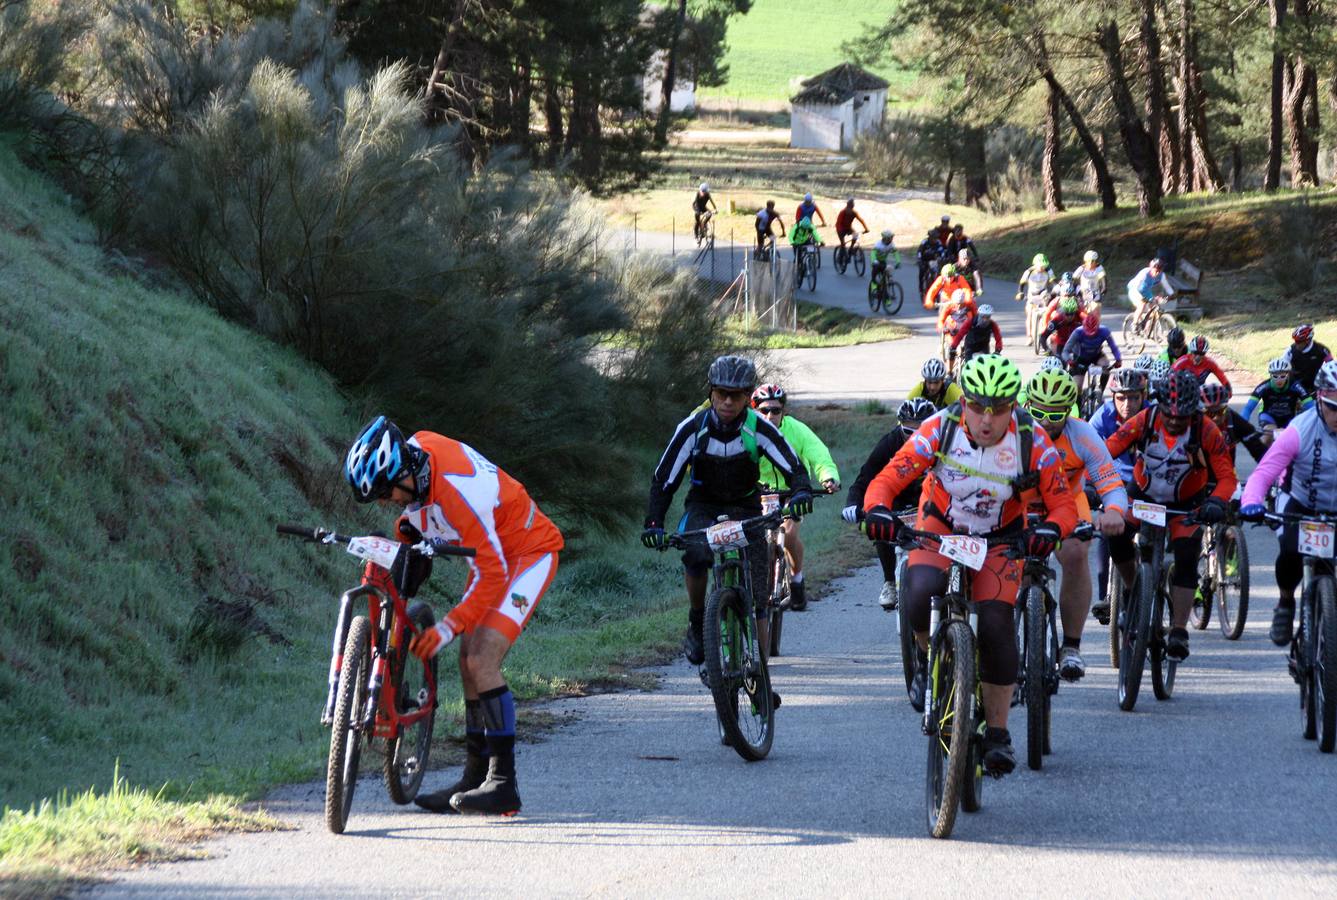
(1213, 792)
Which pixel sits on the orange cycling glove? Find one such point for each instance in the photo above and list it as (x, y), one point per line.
(432, 641)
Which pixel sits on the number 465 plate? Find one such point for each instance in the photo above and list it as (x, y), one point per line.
(1316, 539)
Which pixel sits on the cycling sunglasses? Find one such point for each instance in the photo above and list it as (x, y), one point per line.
(1002, 407)
(1048, 415)
(1329, 401)
(728, 394)
(770, 410)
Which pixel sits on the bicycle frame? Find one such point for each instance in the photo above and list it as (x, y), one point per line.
(388, 613)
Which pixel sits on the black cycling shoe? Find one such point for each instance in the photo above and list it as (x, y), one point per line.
(694, 646)
(798, 600)
(475, 773)
(999, 759)
(497, 796)
(1283, 621)
(919, 685)
(1176, 644)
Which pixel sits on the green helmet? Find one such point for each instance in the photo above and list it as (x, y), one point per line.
(949, 271)
(990, 378)
(1068, 305)
(1053, 389)
(1040, 261)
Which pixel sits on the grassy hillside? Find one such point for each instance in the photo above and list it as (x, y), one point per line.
(778, 43)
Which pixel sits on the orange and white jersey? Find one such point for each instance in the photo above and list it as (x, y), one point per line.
(470, 501)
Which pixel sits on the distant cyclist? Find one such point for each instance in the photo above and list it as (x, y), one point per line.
(1062, 318)
(1144, 285)
(1306, 356)
(944, 286)
(1278, 399)
(1234, 427)
(959, 241)
(982, 335)
(766, 219)
(1128, 389)
(909, 416)
(845, 220)
(770, 400)
(803, 237)
(929, 255)
(1034, 287)
(808, 209)
(934, 386)
(1085, 348)
(969, 269)
(884, 253)
(1090, 276)
(702, 205)
(944, 230)
(1176, 345)
(1198, 364)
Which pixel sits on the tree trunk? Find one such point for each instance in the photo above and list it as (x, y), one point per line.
(552, 112)
(1142, 155)
(1092, 181)
(670, 76)
(1312, 126)
(1276, 16)
(437, 102)
(1300, 80)
(1200, 171)
(1157, 107)
(947, 187)
(976, 168)
(521, 101)
(1095, 154)
(1209, 176)
(1049, 173)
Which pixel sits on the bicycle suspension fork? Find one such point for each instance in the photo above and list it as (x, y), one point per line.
(341, 625)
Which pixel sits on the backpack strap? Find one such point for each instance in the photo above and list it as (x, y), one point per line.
(1024, 480)
(749, 434)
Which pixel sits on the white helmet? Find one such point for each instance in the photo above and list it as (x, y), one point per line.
(959, 295)
(1279, 365)
(1051, 364)
(807, 198)
(985, 311)
(705, 187)
(946, 219)
(887, 235)
(1090, 256)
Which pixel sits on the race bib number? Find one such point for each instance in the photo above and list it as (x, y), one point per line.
(769, 503)
(1151, 513)
(968, 551)
(726, 536)
(378, 550)
(1316, 539)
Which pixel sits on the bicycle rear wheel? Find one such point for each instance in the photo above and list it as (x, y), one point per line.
(406, 754)
(1324, 664)
(346, 732)
(1131, 337)
(1208, 582)
(1163, 666)
(1232, 582)
(1036, 694)
(895, 297)
(779, 601)
(1161, 327)
(1135, 633)
(860, 263)
(840, 259)
(952, 687)
(737, 676)
(909, 648)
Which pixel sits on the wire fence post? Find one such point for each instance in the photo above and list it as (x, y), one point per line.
(635, 227)
(673, 229)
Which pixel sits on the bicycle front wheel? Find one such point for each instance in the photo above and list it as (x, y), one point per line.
(1325, 662)
(1131, 337)
(406, 754)
(1161, 328)
(840, 259)
(895, 297)
(952, 688)
(857, 258)
(1232, 582)
(874, 296)
(1036, 691)
(812, 274)
(346, 732)
(1135, 633)
(779, 601)
(737, 676)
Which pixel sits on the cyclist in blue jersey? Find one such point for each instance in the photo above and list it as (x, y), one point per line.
(1085, 347)
(1129, 390)
(1280, 398)
(1143, 286)
(807, 209)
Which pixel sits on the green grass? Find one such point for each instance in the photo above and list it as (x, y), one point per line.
(55, 846)
(151, 615)
(827, 326)
(777, 43)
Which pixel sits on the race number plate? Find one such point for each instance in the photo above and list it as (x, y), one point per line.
(1316, 539)
(379, 550)
(726, 536)
(1151, 513)
(769, 503)
(967, 550)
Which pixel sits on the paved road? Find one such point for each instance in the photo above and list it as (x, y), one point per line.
(1213, 792)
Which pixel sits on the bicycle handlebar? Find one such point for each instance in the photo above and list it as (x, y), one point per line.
(324, 536)
(1276, 518)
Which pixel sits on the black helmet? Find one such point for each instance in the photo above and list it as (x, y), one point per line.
(1175, 337)
(733, 373)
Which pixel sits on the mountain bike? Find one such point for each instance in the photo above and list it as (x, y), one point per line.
(884, 293)
(1313, 656)
(1093, 388)
(1149, 326)
(928, 273)
(376, 692)
(845, 255)
(806, 261)
(1145, 624)
(704, 228)
(1038, 646)
(1223, 576)
(953, 708)
(735, 669)
(767, 251)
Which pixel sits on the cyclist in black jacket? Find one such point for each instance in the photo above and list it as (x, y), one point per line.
(722, 446)
(911, 414)
(1306, 357)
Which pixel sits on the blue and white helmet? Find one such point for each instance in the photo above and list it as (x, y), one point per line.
(1051, 364)
(378, 458)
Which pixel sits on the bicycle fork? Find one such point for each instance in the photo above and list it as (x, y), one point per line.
(337, 650)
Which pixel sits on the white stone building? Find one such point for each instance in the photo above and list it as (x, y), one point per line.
(836, 106)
